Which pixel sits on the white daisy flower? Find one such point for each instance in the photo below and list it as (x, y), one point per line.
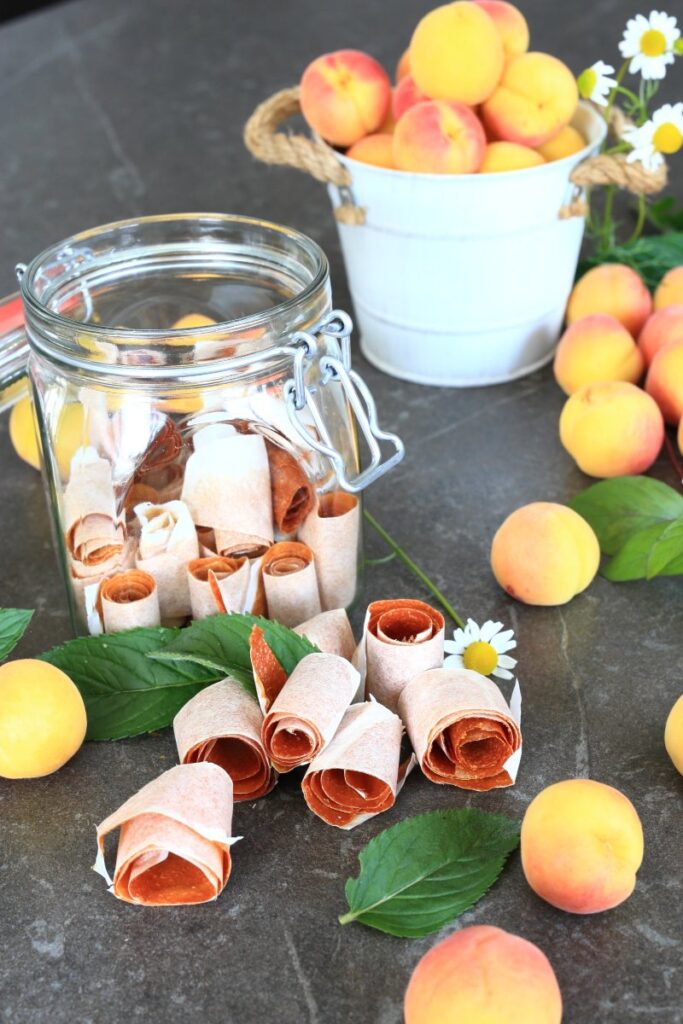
(595, 84)
(650, 43)
(661, 136)
(482, 648)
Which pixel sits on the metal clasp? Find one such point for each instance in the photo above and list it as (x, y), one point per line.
(299, 396)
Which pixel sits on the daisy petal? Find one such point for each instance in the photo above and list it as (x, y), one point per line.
(489, 629)
(502, 673)
(453, 647)
(454, 661)
(505, 662)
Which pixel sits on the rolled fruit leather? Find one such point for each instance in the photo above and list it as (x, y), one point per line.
(462, 730)
(175, 838)
(359, 773)
(222, 724)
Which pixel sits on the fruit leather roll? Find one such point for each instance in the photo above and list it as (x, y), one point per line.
(174, 844)
(168, 541)
(308, 709)
(290, 583)
(94, 533)
(293, 496)
(461, 728)
(227, 488)
(128, 599)
(222, 724)
(401, 638)
(358, 774)
(332, 532)
(330, 632)
(217, 585)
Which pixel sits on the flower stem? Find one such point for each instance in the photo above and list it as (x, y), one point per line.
(398, 550)
(640, 222)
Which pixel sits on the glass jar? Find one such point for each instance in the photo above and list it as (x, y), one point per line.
(200, 423)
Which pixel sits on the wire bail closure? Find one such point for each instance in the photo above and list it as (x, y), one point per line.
(337, 369)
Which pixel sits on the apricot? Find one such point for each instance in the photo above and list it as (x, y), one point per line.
(509, 156)
(456, 53)
(669, 291)
(373, 149)
(42, 719)
(68, 437)
(389, 123)
(567, 142)
(192, 320)
(612, 428)
(673, 733)
(615, 289)
(344, 96)
(679, 437)
(544, 554)
(581, 845)
(594, 349)
(511, 25)
(537, 96)
(664, 381)
(663, 326)
(406, 95)
(403, 66)
(481, 975)
(436, 137)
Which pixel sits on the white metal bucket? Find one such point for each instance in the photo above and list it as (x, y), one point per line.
(462, 280)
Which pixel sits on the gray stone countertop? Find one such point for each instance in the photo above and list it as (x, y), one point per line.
(115, 110)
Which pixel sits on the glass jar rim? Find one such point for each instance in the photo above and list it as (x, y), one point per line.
(35, 306)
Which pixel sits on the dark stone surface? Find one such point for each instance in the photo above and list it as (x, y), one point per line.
(137, 107)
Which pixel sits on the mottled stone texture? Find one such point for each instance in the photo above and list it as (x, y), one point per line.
(113, 110)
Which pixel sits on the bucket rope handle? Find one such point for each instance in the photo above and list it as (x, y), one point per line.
(267, 143)
(613, 169)
(264, 141)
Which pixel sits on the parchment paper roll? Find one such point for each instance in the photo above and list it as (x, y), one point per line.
(94, 533)
(332, 532)
(164, 448)
(168, 541)
(306, 713)
(222, 724)
(174, 845)
(290, 582)
(292, 491)
(330, 632)
(358, 774)
(401, 639)
(461, 728)
(227, 487)
(217, 585)
(128, 599)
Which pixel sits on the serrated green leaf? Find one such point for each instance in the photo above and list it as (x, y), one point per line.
(13, 625)
(630, 561)
(221, 643)
(424, 872)
(623, 506)
(125, 692)
(667, 551)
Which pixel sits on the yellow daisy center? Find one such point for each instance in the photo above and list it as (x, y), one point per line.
(667, 138)
(586, 82)
(480, 657)
(653, 43)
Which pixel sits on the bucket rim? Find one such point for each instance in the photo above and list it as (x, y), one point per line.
(569, 161)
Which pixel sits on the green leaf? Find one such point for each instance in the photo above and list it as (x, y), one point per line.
(667, 551)
(651, 256)
(625, 505)
(13, 624)
(221, 643)
(125, 692)
(424, 872)
(630, 561)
